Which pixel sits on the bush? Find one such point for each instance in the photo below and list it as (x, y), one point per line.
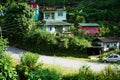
(28, 62)
(29, 59)
(41, 41)
(44, 74)
(7, 71)
(3, 44)
(109, 73)
(112, 48)
(85, 73)
(47, 43)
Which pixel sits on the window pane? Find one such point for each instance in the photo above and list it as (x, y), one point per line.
(110, 56)
(116, 56)
(60, 13)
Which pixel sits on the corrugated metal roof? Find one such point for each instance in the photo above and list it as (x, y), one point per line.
(107, 40)
(88, 24)
(56, 23)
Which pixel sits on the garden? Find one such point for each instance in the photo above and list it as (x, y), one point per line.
(28, 68)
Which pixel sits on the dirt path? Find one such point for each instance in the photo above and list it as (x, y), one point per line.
(68, 63)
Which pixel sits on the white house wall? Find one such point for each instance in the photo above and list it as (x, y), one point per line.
(105, 48)
(60, 18)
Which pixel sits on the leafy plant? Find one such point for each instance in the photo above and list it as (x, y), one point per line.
(3, 44)
(29, 59)
(44, 74)
(28, 62)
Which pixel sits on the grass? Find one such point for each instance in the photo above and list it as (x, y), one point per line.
(62, 70)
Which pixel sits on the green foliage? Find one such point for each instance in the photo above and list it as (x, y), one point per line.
(18, 21)
(7, 71)
(3, 44)
(109, 73)
(112, 48)
(29, 59)
(41, 40)
(85, 73)
(44, 74)
(46, 42)
(28, 62)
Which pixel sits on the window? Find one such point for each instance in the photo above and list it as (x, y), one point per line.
(94, 29)
(115, 56)
(110, 57)
(60, 13)
(108, 46)
(47, 16)
(115, 45)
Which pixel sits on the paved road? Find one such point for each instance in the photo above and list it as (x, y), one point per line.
(68, 63)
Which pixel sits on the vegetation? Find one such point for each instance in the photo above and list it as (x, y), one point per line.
(45, 42)
(18, 21)
(30, 69)
(7, 70)
(17, 25)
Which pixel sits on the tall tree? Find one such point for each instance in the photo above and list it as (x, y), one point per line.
(18, 20)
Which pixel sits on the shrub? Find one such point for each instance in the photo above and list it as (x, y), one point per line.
(44, 42)
(85, 73)
(44, 74)
(28, 62)
(29, 59)
(112, 48)
(109, 73)
(41, 40)
(3, 44)
(7, 71)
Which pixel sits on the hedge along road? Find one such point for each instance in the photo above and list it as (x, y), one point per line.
(67, 63)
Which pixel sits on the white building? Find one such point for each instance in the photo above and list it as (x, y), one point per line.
(107, 43)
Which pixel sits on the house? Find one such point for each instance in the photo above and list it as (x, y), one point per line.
(89, 28)
(54, 19)
(107, 43)
(56, 26)
(35, 7)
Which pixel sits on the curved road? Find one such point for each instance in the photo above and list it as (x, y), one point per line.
(68, 63)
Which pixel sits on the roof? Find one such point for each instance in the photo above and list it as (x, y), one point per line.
(34, 6)
(88, 24)
(107, 40)
(56, 23)
(51, 8)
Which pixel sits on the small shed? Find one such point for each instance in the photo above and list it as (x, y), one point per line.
(107, 43)
(89, 28)
(94, 50)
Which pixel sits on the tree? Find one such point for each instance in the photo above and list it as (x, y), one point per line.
(18, 21)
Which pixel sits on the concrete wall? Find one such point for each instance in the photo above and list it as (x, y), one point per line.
(56, 16)
(107, 46)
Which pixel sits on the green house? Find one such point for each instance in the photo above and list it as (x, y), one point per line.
(55, 20)
(56, 26)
